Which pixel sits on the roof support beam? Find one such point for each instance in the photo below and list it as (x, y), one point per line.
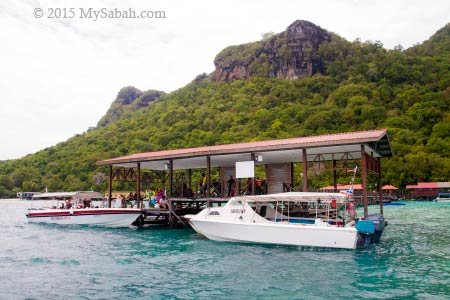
(190, 178)
(364, 180)
(380, 186)
(110, 179)
(334, 175)
(208, 175)
(170, 178)
(138, 185)
(252, 157)
(305, 170)
(292, 177)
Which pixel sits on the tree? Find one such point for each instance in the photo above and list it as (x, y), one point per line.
(98, 178)
(267, 35)
(6, 182)
(30, 186)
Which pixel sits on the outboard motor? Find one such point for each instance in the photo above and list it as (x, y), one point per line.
(370, 229)
(380, 224)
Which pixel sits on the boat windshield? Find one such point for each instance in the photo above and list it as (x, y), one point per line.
(236, 202)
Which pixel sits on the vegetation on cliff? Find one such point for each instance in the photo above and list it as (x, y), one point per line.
(363, 86)
(129, 99)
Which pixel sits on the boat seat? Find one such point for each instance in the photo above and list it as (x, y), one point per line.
(263, 211)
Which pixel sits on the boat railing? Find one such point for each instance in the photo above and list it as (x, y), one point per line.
(286, 211)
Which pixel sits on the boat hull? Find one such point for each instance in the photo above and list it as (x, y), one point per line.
(108, 217)
(279, 234)
(443, 200)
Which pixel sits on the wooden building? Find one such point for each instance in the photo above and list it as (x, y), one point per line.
(428, 190)
(337, 152)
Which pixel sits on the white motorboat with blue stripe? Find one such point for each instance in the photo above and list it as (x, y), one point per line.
(295, 218)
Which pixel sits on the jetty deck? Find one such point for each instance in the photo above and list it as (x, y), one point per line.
(178, 208)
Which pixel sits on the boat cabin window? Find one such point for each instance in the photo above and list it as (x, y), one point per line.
(444, 195)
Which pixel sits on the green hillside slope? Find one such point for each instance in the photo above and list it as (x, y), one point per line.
(362, 86)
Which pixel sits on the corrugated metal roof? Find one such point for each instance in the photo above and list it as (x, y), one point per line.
(429, 185)
(376, 139)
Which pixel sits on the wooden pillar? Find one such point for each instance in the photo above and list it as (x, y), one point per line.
(110, 179)
(183, 183)
(170, 179)
(190, 178)
(138, 185)
(163, 180)
(292, 175)
(208, 175)
(239, 187)
(364, 180)
(305, 171)
(252, 157)
(334, 175)
(380, 186)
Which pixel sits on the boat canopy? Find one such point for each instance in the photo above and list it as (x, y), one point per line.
(85, 195)
(295, 197)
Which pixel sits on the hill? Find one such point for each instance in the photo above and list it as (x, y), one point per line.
(338, 86)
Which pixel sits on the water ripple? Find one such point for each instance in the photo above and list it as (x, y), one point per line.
(80, 262)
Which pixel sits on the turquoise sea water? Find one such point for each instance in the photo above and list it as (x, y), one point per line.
(40, 261)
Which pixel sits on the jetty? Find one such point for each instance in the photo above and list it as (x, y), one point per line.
(281, 161)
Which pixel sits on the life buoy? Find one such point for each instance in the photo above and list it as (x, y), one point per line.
(333, 204)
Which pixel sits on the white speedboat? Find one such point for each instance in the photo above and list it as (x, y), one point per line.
(77, 208)
(443, 197)
(300, 219)
(26, 195)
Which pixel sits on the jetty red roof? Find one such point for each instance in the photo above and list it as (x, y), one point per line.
(429, 185)
(376, 142)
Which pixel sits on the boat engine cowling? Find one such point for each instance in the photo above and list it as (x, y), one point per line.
(378, 220)
(365, 227)
(370, 229)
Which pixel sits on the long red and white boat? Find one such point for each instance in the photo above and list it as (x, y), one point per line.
(80, 208)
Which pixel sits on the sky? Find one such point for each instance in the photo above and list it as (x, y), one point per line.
(61, 68)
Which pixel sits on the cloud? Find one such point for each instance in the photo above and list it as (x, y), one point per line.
(59, 76)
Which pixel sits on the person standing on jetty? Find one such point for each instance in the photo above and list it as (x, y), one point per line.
(159, 194)
(231, 186)
(204, 184)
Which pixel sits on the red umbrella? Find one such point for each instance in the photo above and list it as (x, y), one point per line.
(389, 188)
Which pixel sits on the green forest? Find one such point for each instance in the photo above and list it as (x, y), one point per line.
(364, 86)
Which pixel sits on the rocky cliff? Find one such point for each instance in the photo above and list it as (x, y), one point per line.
(289, 54)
